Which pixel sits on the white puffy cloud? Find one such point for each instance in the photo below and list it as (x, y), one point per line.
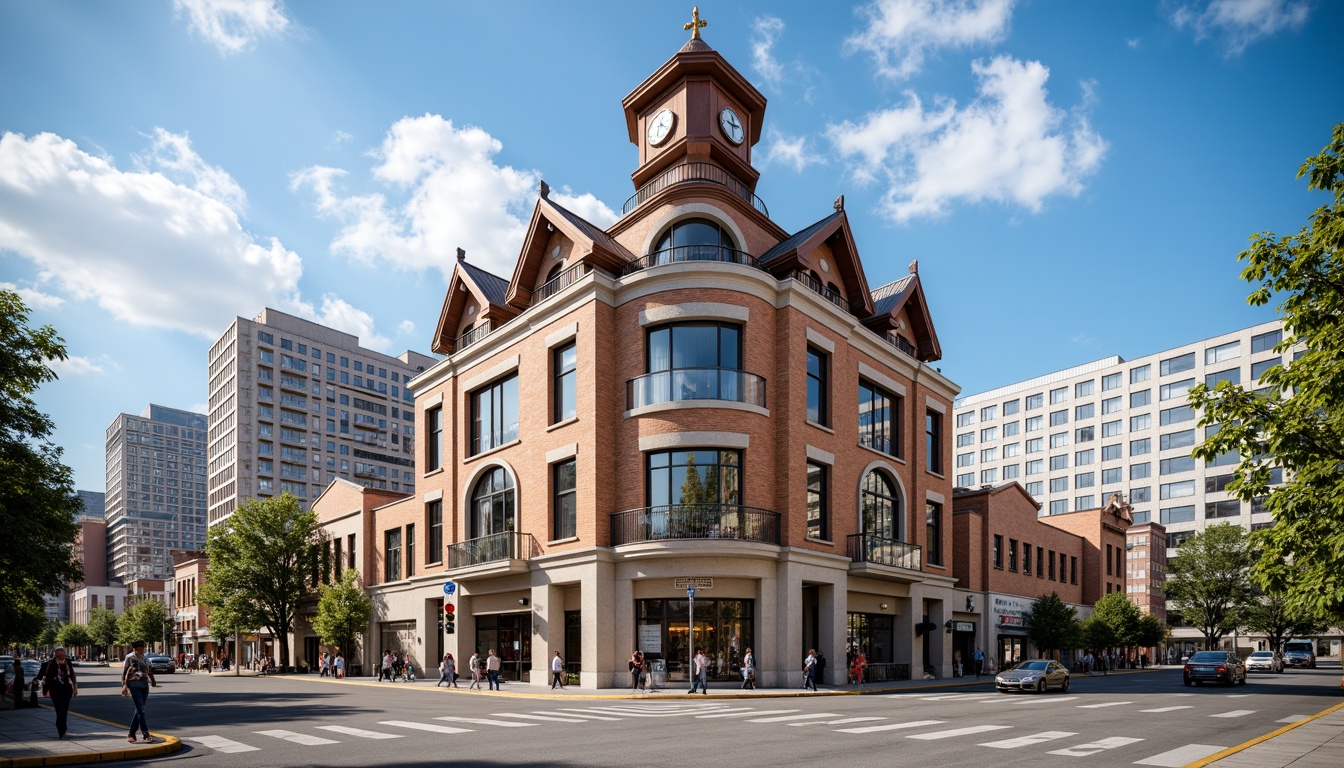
(1240, 22)
(900, 33)
(171, 154)
(1010, 145)
(339, 314)
(74, 366)
(34, 298)
(451, 194)
(406, 328)
(765, 32)
(234, 25)
(794, 151)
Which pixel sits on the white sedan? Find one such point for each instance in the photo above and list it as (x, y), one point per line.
(1264, 661)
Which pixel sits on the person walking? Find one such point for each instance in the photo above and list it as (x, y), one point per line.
(474, 666)
(407, 667)
(16, 684)
(557, 672)
(322, 665)
(978, 658)
(492, 670)
(700, 672)
(340, 666)
(59, 685)
(385, 669)
(810, 670)
(446, 671)
(136, 679)
(636, 665)
(749, 671)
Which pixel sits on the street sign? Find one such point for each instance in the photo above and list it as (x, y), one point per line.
(696, 582)
(690, 592)
(449, 587)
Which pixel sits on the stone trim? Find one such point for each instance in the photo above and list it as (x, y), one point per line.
(695, 310)
(435, 495)
(816, 454)
(817, 339)
(881, 379)
(695, 440)
(562, 335)
(507, 365)
(562, 453)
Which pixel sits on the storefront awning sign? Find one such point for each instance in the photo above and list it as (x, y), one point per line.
(695, 582)
(963, 626)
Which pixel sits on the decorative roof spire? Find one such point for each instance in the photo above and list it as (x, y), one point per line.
(840, 203)
(914, 267)
(544, 189)
(695, 24)
(461, 254)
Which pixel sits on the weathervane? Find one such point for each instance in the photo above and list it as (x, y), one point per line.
(695, 24)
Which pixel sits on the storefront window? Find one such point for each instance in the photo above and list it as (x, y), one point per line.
(723, 628)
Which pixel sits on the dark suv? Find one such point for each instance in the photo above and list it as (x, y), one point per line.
(1215, 667)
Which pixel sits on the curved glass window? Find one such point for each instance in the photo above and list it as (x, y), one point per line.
(702, 476)
(880, 507)
(493, 509)
(689, 233)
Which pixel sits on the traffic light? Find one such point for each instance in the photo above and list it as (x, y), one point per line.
(449, 622)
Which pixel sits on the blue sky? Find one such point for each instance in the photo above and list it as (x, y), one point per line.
(1076, 179)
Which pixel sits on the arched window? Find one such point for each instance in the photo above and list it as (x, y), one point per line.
(554, 273)
(694, 240)
(493, 508)
(880, 506)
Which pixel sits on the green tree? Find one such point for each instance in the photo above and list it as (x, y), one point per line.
(1274, 617)
(1095, 635)
(145, 620)
(261, 559)
(1302, 554)
(38, 503)
(74, 636)
(102, 627)
(1151, 632)
(49, 632)
(343, 611)
(1053, 625)
(1121, 615)
(1208, 582)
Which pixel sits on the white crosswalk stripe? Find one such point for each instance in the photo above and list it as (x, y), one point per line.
(1235, 713)
(1181, 755)
(414, 726)
(297, 738)
(543, 718)
(1293, 719)
(954, 732)
(1027, 741)
(360, 732)
(891, 726)
(842, 721)
(221, 744)
(785, 718)
(959, 697)
(583, 715)
(1168, 709)
(1019, 701)
(1100, 745)
(748, 712)
(486, 721)
(1103, 704)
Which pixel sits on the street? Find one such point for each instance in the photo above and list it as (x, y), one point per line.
(1141, 719)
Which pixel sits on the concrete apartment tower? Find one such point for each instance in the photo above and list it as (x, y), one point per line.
(294, 405)
(155, 499)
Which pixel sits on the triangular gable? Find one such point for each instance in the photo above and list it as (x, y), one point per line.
(592, 246)
(906, 294)
(795, 252)
(487, 289)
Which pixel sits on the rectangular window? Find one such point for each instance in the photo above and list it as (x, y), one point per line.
(989, 454)
(1178, 490)
(1182, 439)
(1141, 398)
(818, 408)
(965, 438)
(1141, 422)
(879, 419)
(1220, 509)
(1140, 495)
(1035, 401)
(1011, 472)
(1084, 411)
(1140, 471)
(1084, 388)
(1059, 395)
(1112, 405)
(1084, 434)
(1059, 462)
(1111, 428)
(1035, 424)
(1229, 351)
(1111, 381)
(1112, 476)
(1059, 484)
(1176, 415)
(1183, 514)
(1040, 562)
(1231, 376)
(1142, 373)
(1140, 447)
(1059, 439)
(1026, 558)
(933, 525)
(434, 523)
(564, 503)
(818, 502)
(998, 551)
(1266, 342)
(989, 413)
(966, 459)
(565, 363)
(1073, 569)
(966, 480)
(1177, 465)
(1052, 565)
(988, 477)
(1011, 449)
(965, 419)
(1010, 429)
(1081, 458)
(933, 438)
(410, 550)
(1012, 554)
(1036, 488)
(1175, 389)
(1059, 417)
(1084, 502)
(1259, 369)
(1011, 407)
(494, 415)
(1177, 364)
(989, 433)
(1035, 468)
(1178, 538)
(392, 555)
(1217, 483)
(434, 443)
(1112, 452)
(1084, 480)
(1035, 445)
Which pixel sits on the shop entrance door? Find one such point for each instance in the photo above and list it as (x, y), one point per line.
(510, 634)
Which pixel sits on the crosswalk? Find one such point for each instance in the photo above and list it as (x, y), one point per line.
(986, 734)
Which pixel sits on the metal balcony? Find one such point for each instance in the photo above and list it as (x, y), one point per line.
(509, 545)
(695, 521)
(687, 253)
(681, 384)
(559, 283)
(470, 337)
(693, 172)
(870, 548)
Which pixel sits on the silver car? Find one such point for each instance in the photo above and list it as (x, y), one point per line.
(1264, 661)
(1039, 675)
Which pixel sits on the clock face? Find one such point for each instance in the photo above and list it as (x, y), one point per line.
(731, 125)
(660, 127)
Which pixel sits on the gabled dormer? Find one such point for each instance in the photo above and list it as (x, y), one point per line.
(901, 316)
(824, 258)
(559, 240)
(475, 305)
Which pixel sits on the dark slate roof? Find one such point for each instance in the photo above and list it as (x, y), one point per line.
(592, 231)
(798, 238)
(890, 295)
(493, 286)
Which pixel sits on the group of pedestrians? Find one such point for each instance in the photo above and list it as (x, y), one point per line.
(332, 666)
(397, 667)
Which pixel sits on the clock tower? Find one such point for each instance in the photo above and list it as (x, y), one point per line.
(695, 109)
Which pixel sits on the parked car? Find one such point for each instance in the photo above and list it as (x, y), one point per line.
(162, 665)
(1039, 675)
(1215, 667)
(1265, 661)
(1300, 653)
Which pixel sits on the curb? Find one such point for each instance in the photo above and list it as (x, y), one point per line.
(1261, 739)
(167, 745)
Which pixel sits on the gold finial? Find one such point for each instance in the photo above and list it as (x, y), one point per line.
(695, 24)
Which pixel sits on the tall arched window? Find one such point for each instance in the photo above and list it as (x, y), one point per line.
(880, 506)
(694, 240)
(493, 509)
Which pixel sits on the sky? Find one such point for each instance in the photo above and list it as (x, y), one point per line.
(1075, 179)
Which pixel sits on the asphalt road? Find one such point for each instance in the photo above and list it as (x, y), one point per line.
(1146, 719)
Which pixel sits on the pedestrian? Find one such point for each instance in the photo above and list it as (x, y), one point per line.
(859, 663)
(136, 679)
(700, 672)
(978, 658)
(16, 684)
(810, 670)
(407, 667)
(340, 666)
(446, 671)
(557, 672)
(474, 665)
(992, 667)
(322, 665)
(749, 671)
(385, 670)
(636, 666)
(59, 685)
(492, 670)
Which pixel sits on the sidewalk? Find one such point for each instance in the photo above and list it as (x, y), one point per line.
(1317, 742)
(28, 738)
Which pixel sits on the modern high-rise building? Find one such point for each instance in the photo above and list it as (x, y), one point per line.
(155, 491)
(294, 405)
(1075, 436)
(95, 505)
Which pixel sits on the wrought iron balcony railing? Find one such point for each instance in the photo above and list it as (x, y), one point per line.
(559, 283)
(681, 384)
(703, 172)
(695, 521)
(829, 294)
(509, 545)
(471, 337)
(870, 548)
(684, 253)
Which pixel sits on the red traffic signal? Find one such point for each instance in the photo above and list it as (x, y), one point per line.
(448, 608)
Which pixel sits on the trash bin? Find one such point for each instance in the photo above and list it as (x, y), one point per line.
(657, 674)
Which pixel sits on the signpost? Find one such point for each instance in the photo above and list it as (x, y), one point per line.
(690, 634)
(449, 588)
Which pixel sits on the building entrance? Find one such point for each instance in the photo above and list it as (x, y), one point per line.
(724, 628)
(510, 634)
